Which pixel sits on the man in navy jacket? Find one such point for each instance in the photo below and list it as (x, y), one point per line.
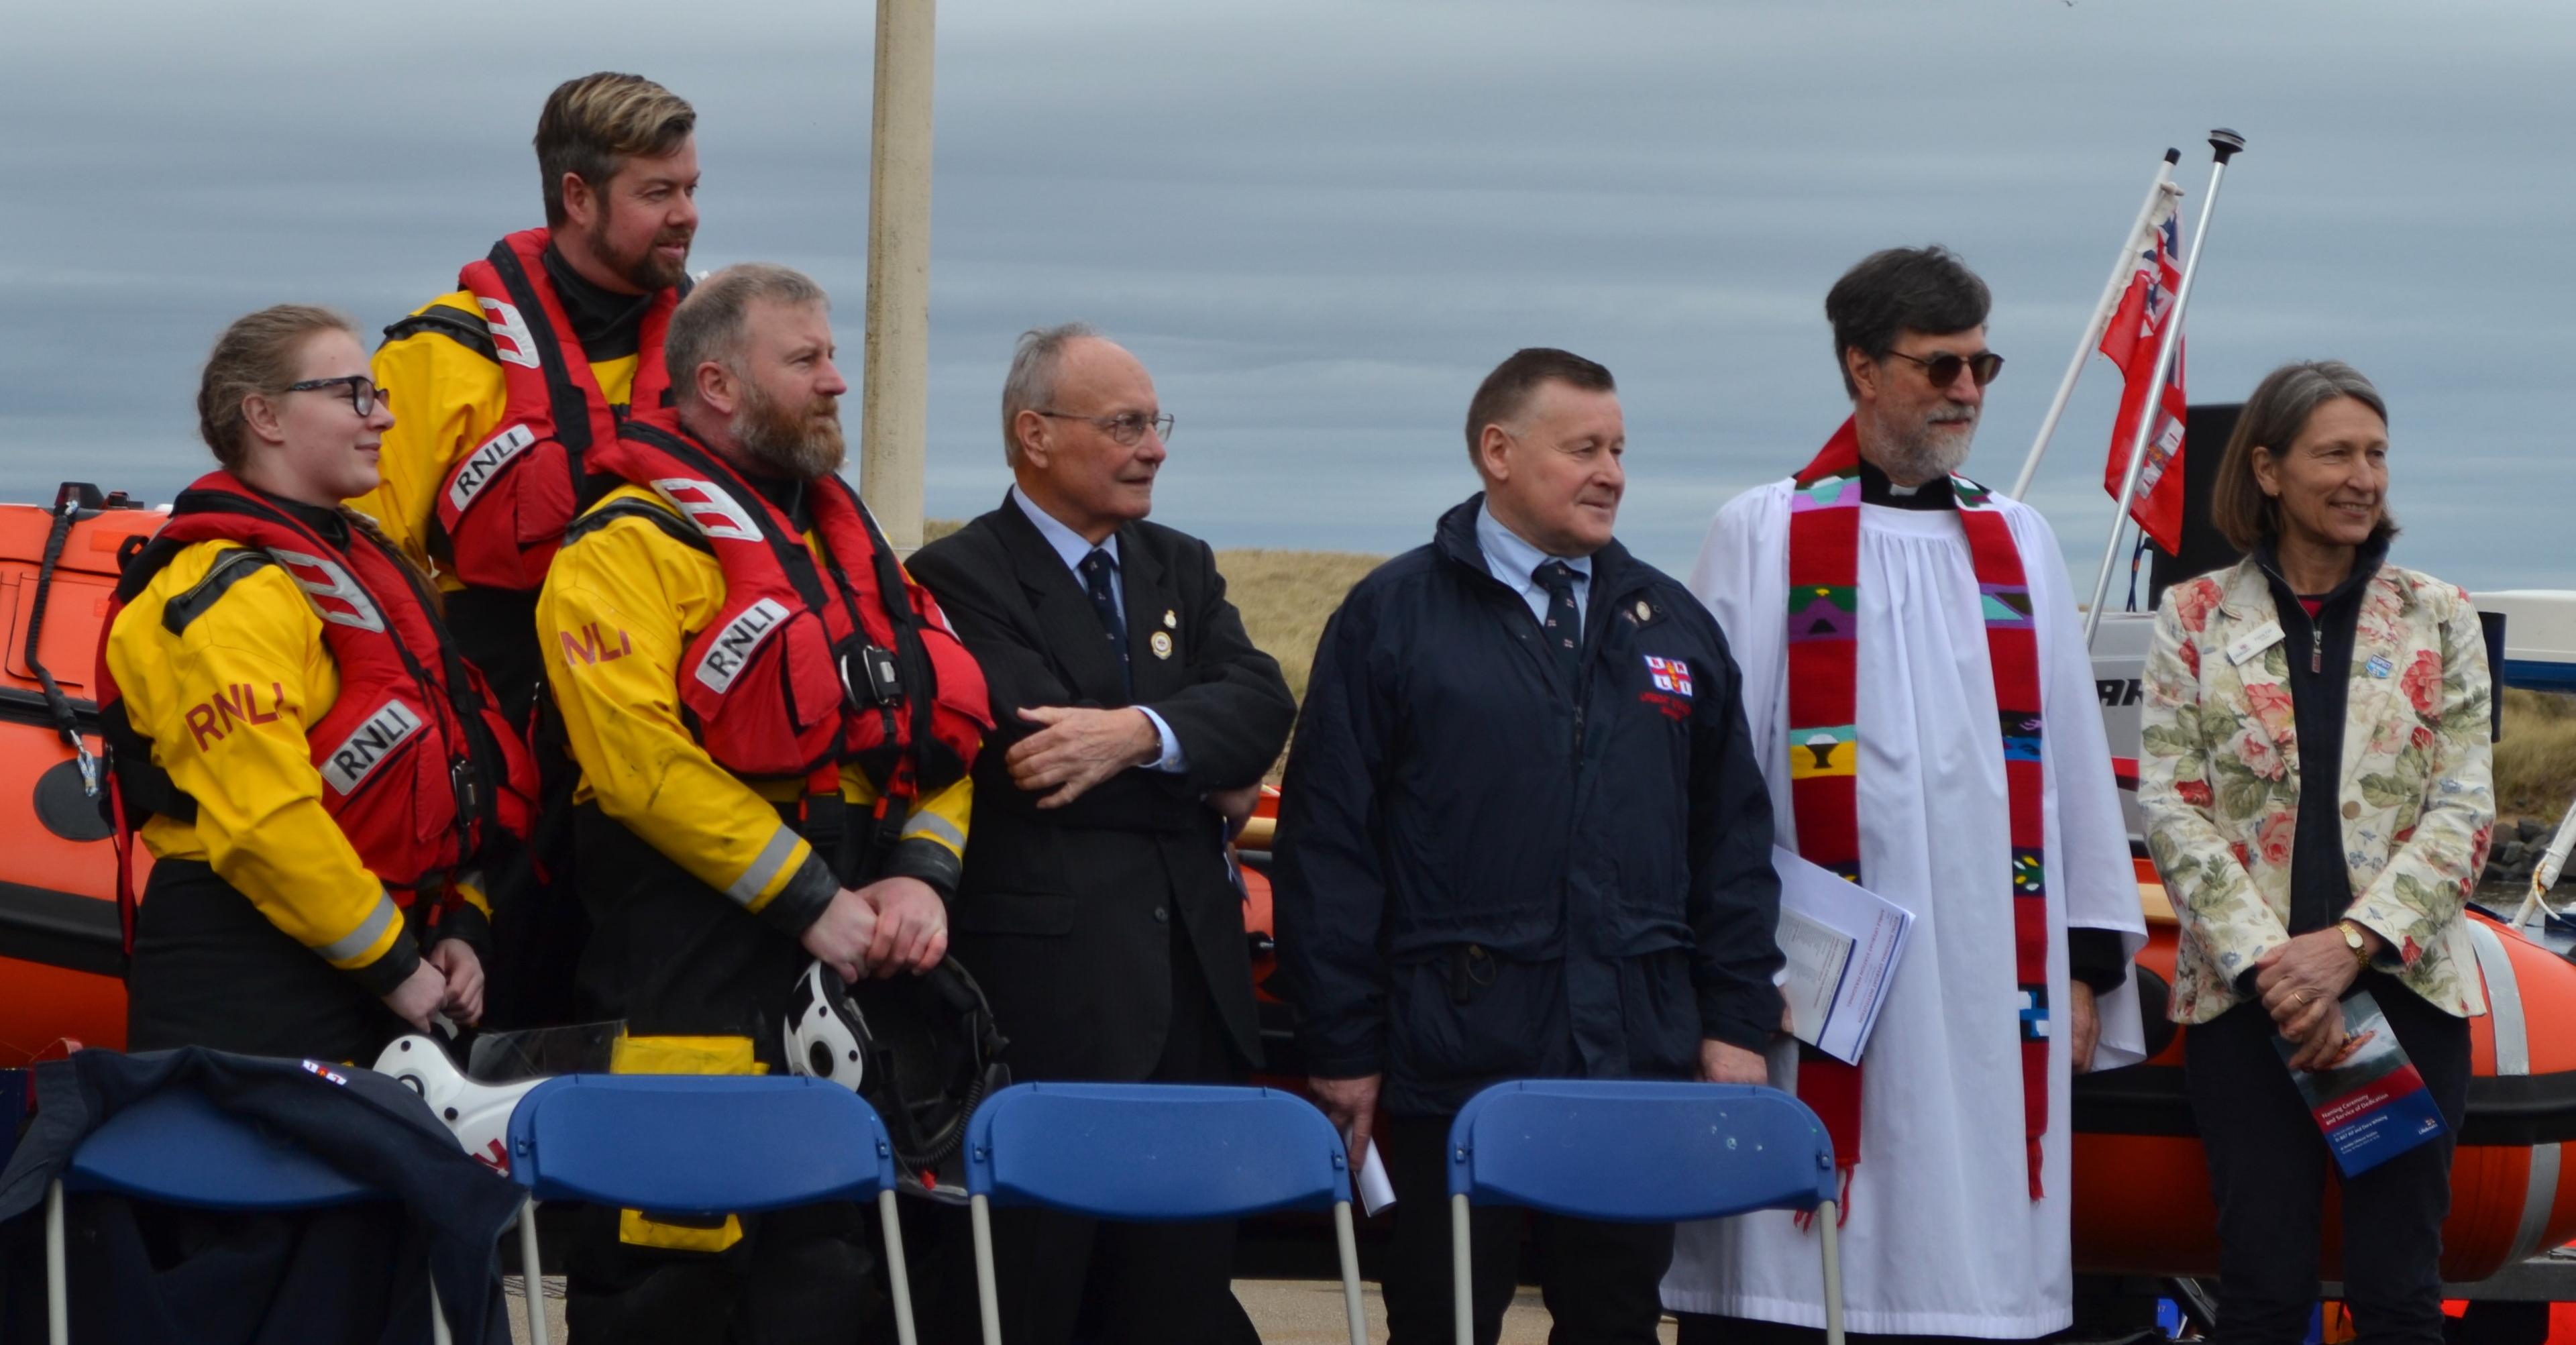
(1523, 836)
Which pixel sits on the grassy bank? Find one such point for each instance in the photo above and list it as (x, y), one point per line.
(1286, 597)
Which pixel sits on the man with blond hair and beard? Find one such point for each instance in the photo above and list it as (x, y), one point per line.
(1920, 702)
(548, 341)
(754, 795)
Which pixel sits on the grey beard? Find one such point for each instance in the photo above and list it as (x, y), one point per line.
(1927, 456)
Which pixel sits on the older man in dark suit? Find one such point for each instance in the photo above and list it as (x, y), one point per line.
(1135, 721)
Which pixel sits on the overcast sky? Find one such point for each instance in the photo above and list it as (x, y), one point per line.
(1320, 221)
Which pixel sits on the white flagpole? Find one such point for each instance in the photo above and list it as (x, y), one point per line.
(2223, 144)
(2122, 268)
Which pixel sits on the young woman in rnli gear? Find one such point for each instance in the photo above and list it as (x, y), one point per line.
(315, 770)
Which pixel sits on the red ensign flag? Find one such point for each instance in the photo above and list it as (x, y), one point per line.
(2138, 327)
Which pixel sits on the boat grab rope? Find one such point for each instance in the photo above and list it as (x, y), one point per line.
(69, 502)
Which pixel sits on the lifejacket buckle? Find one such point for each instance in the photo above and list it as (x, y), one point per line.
(874, 681)
(468, 784)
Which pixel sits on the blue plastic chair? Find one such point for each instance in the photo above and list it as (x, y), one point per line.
(1151, 1153)
(178, 1148)
(701, 1145)
(1640, 1151)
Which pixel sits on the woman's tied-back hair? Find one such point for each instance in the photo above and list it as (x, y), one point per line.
(1926, 289)
(255, 355)
(2273, 419)
(592, 125)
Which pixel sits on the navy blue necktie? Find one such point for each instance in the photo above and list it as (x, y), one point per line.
(1100, 581)
(1563, 625)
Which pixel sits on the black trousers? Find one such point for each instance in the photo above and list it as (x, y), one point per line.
(2268, 1166)
(674, 958)
(1065, 1277)
(210, 970)
(1600, 1279)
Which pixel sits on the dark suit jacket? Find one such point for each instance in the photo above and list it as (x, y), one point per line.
(1070, 916)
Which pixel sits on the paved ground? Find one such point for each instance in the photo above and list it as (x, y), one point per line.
(1288, 1312)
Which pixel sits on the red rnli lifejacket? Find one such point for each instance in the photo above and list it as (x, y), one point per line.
(418, 767)
(808, 666)
(503, 507)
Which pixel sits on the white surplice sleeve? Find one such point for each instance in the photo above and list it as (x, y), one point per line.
(1742, 577)
(2091, 864)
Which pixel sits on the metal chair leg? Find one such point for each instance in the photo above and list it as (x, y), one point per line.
(1350, 1271)
(1462, 1272)
(532, 1269)
(58, 1298)
(987, 1298)
(1828, 1226)
(898, 1276)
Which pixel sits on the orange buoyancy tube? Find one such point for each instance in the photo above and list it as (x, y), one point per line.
(809, 665)
(502, 508)
(2142, 1200)
(419, 768)
(61, 956)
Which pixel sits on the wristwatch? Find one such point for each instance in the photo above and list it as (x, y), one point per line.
(2353, 940)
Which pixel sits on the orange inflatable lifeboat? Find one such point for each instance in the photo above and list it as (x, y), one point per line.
(61, 949)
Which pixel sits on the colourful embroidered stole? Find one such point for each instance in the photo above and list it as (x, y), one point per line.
(1824, 751)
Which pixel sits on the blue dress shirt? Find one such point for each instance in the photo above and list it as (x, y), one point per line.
(1515, 563)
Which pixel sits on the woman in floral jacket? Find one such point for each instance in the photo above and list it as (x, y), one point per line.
(2315, 780)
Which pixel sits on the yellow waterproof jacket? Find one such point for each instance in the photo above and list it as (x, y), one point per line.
(448, 397)
(620, 607)
(182, 653)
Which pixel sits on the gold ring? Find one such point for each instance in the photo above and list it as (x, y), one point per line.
(2303, 997)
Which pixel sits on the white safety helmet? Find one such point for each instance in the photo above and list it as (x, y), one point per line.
(478, 1113)
(826, 1036)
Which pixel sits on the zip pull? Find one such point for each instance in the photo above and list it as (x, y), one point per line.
(2316, 649)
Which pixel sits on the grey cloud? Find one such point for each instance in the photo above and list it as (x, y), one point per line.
(1319, 223)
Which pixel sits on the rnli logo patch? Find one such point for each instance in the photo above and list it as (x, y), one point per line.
(485, 463)
(1669, 674)
(325, 1073)
(357, 758)
(709, 507)
(512, 342)
(730, 652)
(334, 593)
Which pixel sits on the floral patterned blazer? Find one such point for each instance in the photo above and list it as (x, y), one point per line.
(2218, 780)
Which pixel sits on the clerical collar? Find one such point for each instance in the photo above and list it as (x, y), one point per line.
(607, 323)
(1875, 488)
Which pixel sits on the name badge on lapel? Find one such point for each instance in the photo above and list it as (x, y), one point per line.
(2253, 642)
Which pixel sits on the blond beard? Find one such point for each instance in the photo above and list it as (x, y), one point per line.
(803, 447)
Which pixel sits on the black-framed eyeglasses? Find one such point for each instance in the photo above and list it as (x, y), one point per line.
(364, 395)
(1943, 370)
(1126, 428)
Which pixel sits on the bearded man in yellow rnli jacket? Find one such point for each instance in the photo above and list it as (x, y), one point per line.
(773, 727)
(542, 349)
